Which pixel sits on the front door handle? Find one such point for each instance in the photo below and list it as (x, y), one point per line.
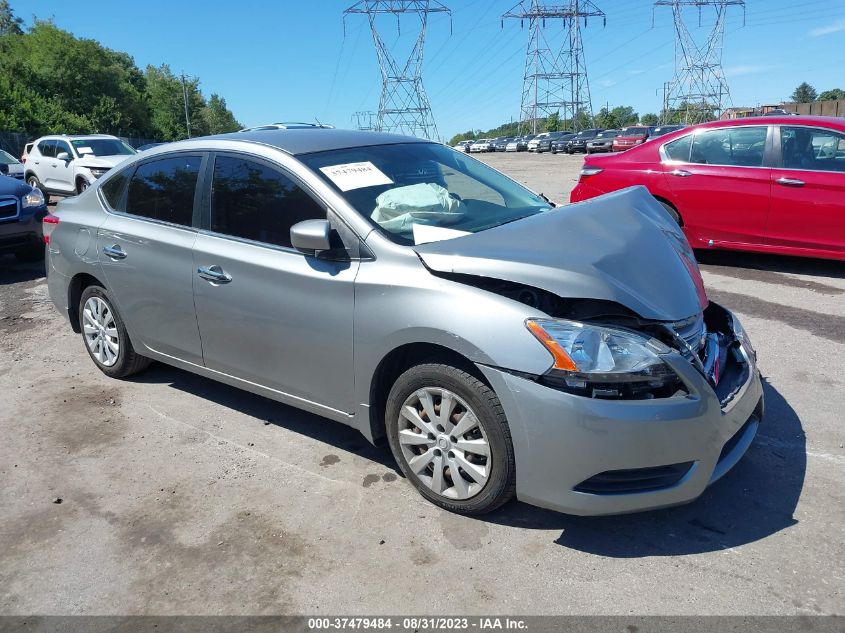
(790, 182)
(115, 252)
(214, 274)
(683, 173)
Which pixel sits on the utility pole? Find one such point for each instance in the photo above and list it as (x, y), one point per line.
(699, 89)
(185, 98)
(403, 106)
(555, 78)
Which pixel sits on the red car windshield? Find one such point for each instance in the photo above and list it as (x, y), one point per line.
(634, 131)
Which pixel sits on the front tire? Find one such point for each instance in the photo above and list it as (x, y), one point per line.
(105, 335)
(81, 185)
(450, 437)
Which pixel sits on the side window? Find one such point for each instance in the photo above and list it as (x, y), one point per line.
(732, 146)
(679, 149)
(113, 190)
(812, 148)
(256, 202)
(61, 146)
(47, 149)
(164, 189)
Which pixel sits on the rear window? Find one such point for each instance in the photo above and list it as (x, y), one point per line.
(7, 159)
(164, 189)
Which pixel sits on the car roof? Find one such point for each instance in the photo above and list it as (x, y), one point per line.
(72, 137)
(780, 119)
(309, 141)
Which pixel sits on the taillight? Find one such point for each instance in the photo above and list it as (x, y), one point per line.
(48, 224)
(588, 170)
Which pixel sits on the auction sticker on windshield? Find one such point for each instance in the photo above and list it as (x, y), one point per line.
(356, 175)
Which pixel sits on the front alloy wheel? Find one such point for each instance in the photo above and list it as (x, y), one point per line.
(443, 443)
(450, 437)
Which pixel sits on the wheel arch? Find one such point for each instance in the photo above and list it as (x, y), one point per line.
(671, 204)
(399, 360)
(76, 287)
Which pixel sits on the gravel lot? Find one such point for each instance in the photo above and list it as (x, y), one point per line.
(183, 496)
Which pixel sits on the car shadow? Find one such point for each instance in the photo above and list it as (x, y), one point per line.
(726, 260)
(14, 272)
(753, 501)
(314, 426)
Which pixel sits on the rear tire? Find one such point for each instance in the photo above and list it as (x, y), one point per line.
(473, 439)
(672, 211)
(105, 337)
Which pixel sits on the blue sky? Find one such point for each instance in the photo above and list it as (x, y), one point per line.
(284, 60)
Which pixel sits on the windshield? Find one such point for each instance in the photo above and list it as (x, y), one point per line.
(101, 147)
(608, 134)
(423, 192)
(634, 131)
(7, 159)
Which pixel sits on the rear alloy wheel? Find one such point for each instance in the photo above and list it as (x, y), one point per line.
(105, 335)
(448, 432)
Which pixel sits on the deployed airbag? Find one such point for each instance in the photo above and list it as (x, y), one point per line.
(397, 210)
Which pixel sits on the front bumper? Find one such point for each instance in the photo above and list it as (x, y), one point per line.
(22, 232)
(563, 442)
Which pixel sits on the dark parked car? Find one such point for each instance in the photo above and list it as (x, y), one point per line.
(501, 143)
(21, 210)
(578, 143)
(660, 130)
(543, 142)
(523, 141)
(559, 145)
(603, 142)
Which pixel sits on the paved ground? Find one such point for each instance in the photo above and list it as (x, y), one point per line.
(180, 495)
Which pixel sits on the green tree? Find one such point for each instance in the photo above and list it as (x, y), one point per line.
(804, 93)
(552, 122)
(218, 118)
(649, 119)
(165, 96)
(618, 117)
(831, 95)
(9, 23)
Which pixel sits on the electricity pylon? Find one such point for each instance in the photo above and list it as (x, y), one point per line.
(699, 90)
(403, 106)
(555, 78)
(364, 120)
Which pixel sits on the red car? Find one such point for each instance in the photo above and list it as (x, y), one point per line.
(629, 137)
(767, 184)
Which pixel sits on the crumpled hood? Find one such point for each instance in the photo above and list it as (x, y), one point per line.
(102, 162)
(620, 247)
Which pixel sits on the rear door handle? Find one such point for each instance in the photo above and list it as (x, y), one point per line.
(214, 274)
(115, 252)
(790, 182)
(682, 173)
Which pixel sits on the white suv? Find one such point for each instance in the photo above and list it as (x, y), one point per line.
(66, 165)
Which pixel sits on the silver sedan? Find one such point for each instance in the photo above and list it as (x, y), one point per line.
(501, 346)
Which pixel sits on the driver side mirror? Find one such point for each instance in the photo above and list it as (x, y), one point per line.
(311, 236)
(63, 156)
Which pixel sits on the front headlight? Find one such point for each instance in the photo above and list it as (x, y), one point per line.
(33, 199)
(604, 362)
(742, 336)
(98, 171)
